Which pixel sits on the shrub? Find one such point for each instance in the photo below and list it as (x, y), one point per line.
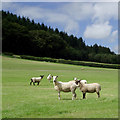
(84, 63)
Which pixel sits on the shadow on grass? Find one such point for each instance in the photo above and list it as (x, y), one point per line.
(69, 99)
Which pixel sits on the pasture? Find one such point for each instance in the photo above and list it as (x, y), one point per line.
(20, 100)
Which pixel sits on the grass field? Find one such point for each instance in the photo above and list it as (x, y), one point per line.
(20, 100)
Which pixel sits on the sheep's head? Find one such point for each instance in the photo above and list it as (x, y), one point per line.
(41, 76)
(49, 77)
(83, 81)
(55, 78)
(77, 82)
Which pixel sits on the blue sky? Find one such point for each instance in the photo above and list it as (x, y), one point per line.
(95, 22)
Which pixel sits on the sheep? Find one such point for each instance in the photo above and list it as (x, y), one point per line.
(65, 87)
(36, 79)
(49, 77)
(83, 81)
(89, 88)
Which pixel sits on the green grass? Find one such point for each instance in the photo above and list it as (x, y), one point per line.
(20, 100)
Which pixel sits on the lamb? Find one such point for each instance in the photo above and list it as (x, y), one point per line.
(83, 81)
(89, 88)
(65, 87)
(36, 80)
(49, 77)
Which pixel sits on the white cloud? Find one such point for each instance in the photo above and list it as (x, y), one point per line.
(116, 49)
(33, 12)
(105, 11)
(72, 27)
(78, 11)
(100, 27)
(98, 31)
(114, 36)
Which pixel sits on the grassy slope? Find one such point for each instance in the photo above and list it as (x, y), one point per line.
(20, 100)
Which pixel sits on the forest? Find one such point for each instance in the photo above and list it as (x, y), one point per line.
(23, 36)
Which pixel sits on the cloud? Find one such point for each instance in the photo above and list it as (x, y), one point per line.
(98, 31)
(116, 49)
(78, 11)
(72, 27)
(105, 11)
(114, 36)
(7, 6)
(101, 27)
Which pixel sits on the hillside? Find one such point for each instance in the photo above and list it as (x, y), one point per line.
(25, 37)
(20, 100)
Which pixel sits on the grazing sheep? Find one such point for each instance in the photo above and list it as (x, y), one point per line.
(89, 88)
(65, 87)
(36, 79)
(83, 81)
(49, 77)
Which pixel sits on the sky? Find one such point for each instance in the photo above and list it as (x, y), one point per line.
(95, 22)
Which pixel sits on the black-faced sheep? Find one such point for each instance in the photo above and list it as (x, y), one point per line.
(65, 86)
(36, 80)
(89, 88)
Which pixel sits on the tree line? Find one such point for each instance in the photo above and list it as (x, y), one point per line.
(23, 36)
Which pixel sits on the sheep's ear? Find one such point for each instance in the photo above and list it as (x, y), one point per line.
(80, 80)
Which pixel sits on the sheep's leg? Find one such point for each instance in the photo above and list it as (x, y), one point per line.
(59, 95)
(84, 95)
(74, 95)
(33, 83)
(38, 83)
(30, 82)
(98, 94)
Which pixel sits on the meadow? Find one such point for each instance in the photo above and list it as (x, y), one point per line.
(20, 100)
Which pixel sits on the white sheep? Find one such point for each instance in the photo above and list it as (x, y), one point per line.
(36, 79)
(83, 81)
(49, 77)
(89, 88)
(65, 86)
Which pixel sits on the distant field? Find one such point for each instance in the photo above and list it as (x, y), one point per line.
(20, 100)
